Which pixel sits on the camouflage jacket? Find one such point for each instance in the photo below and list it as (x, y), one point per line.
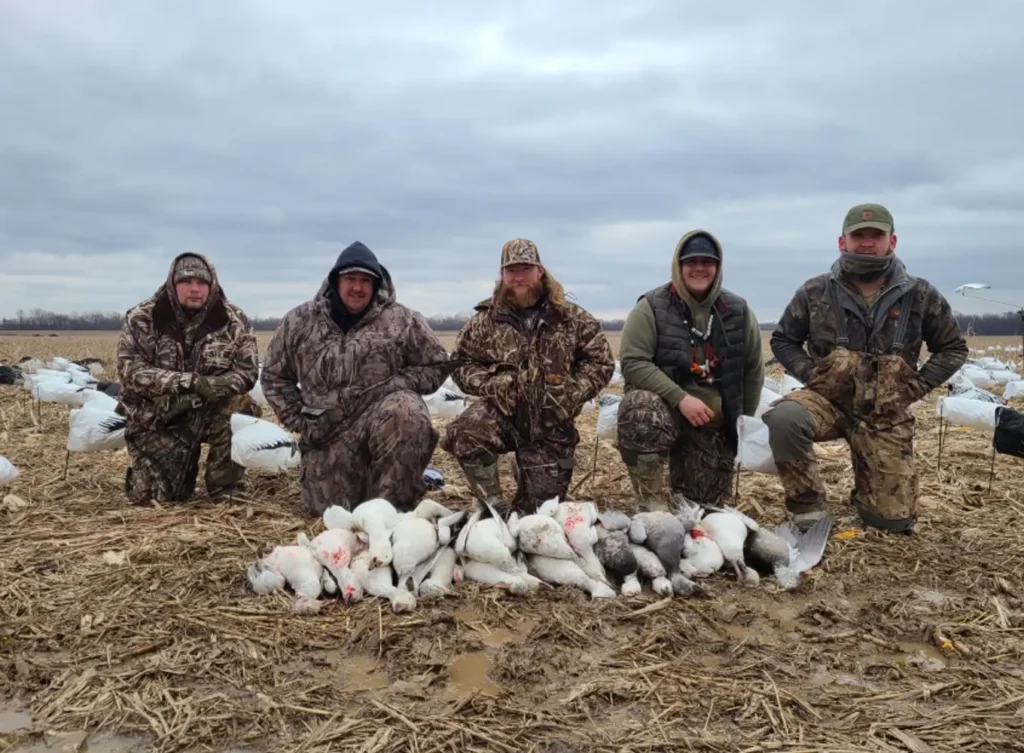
(809, 318)
(540, 377)
(391, 348)
(159, 347)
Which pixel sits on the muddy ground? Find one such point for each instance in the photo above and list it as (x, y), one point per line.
(125, 628)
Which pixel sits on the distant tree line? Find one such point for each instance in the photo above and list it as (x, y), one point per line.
(983, 325)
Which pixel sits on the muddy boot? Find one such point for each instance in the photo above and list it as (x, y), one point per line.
(482, 476)
(647, 475)
(805, 494)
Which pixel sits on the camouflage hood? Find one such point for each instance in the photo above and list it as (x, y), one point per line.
(168, 313)
(699, 308)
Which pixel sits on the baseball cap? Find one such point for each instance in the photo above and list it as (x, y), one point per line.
(520, 251)
(699, 246)
(868, 215)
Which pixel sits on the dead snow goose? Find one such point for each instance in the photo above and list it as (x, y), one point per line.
(578, 520)
(663, 533)
(441, 572)
(651, 568)
(788, 553)
(416, 538)
(294, 566)
(614, 552)
(486, 538)
(702, 555)
(730, 529)
(564, 572)
(379, 582)
(372, 520)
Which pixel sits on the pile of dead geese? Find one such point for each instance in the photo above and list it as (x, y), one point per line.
(421, 555)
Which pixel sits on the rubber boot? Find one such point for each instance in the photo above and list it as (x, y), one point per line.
(482, 476)
(647, 475)
(805, 494)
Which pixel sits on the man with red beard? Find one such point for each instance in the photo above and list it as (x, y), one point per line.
(535, 359)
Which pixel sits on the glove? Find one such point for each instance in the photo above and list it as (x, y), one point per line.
(172, 407)
(211, 388)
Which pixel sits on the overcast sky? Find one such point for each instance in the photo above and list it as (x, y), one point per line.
(269, 135)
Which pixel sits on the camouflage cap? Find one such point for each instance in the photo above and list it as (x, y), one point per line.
(191, 266)
(868, 215)
(520, 251)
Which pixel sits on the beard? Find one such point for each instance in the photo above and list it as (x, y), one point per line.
(521, 299)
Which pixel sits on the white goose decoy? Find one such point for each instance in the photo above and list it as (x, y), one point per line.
(564, 572)
(261, 445)
(788, 553)
(8, 471)
(614, 552)
(445, 403)
(379, 582)
(608, 417)
(372, 520)
(94, 428)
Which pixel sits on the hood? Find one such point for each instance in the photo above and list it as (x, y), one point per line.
(169, 296)
(698, 308)
(358, 254)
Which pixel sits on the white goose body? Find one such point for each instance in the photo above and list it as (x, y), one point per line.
(564, 572)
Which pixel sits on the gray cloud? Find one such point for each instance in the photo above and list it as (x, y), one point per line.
(270, 138)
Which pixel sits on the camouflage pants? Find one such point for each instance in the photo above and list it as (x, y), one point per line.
(700, 460)
(868, 408)
(544, 467)
(160, 462)
(383, 453)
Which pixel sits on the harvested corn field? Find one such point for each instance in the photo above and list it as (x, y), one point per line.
(137, 626)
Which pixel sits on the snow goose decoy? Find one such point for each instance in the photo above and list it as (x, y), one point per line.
(95, 428)
(614, 552)
(445, 403)
(8, 471)
(787, 553)
(261, 445)
(663, 533)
